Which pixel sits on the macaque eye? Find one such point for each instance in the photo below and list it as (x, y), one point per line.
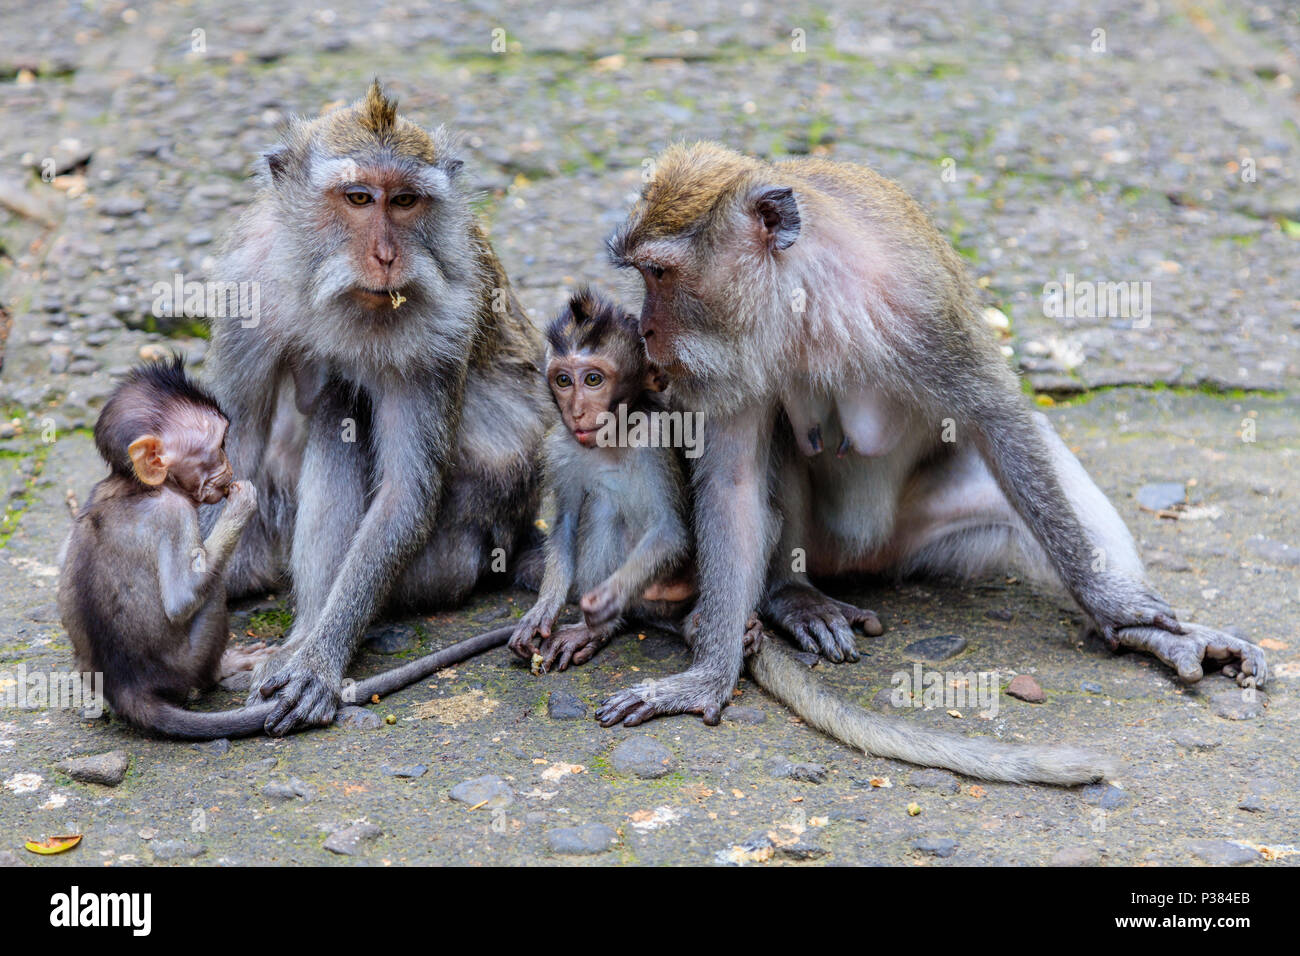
(359, 197)
(594, 379)
(563, 380)
(655, 270)
(404, 200)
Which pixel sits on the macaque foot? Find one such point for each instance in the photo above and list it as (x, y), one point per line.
(304, 696)
(753, 638)
(679, 694)
(571, 644)
(1186, 652)
(820, 624)
(242, 658)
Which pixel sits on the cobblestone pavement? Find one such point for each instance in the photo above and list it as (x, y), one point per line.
(1161, 152)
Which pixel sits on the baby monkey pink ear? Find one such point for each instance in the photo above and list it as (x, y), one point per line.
(778, 211)
(148, 460)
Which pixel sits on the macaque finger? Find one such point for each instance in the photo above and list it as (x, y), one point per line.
(844, 637)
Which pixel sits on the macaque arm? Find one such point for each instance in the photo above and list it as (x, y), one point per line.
(189, 567)
(413, 430)
(737, 530)
(659, 550)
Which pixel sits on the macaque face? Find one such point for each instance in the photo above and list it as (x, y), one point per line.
(195, 458)
(659, 324)
(379, 209)
(584, 386)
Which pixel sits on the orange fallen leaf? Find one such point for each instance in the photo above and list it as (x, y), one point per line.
(1272, 644)
(977, 791)
(55, 844)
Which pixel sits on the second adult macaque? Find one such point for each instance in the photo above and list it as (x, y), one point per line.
(809, 305)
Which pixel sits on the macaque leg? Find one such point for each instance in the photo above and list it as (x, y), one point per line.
(819, 624)
(955, 520)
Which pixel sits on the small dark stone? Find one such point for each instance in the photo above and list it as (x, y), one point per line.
(1103, 795)
(391, 640)
(805, 772)
(581, 841)
(999, 614)
(801, 850)
(107, 769)
(740, 714)
(214, 747)
(1025, 688)
(1252, 803)
(941, 847)
(940, 780)
(495, 614)
(644, 757)
(1161, 496)
(1222, 853)
(176, 850)
(348, 840)
(357, 718)
(935, 649)
(490, 791)
(561, 705)
(1091, 686)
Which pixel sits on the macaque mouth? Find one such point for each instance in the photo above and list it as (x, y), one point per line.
(379, 298)
(585, 436)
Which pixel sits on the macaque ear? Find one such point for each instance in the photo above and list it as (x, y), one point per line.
(147, 459)
(656, 379)
(778, 211)
(452, 167)
(277, 160)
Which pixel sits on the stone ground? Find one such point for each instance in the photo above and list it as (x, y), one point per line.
(1169, 157)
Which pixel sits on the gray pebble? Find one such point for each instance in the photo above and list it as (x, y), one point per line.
(940, 780)
(1091, 686)
(292, 790)
(561, 705)
(644, 757)
(1275, 552)
(1222, 853)
(1161, 496)
(740, 714)
(1195, 740)
(581, 841)
(120, 206)
(938, 648)
(176, 850)
(391, 640)
(347, 841)
(805, 772)
(357, 718)
(1103, 795)
(408, 773)
(490, 788)
(214, 747)
(942, 847)
(1076, 856)
(107, 769)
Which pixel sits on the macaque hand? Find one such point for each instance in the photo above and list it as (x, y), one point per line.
(602, 604)
(241, 499)
(1185, 652)
(536, 623)
(306, 694)
(239, 658)
(571, 644)
(820, 624)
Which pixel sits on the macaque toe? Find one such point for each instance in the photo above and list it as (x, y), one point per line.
(302, 699)
(1186, 651)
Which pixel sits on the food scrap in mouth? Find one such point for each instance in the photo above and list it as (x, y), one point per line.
(396, 297)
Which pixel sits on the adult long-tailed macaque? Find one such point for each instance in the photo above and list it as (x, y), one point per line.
(414, 374)
(142, 594)
(810, 305)
(621, 547)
